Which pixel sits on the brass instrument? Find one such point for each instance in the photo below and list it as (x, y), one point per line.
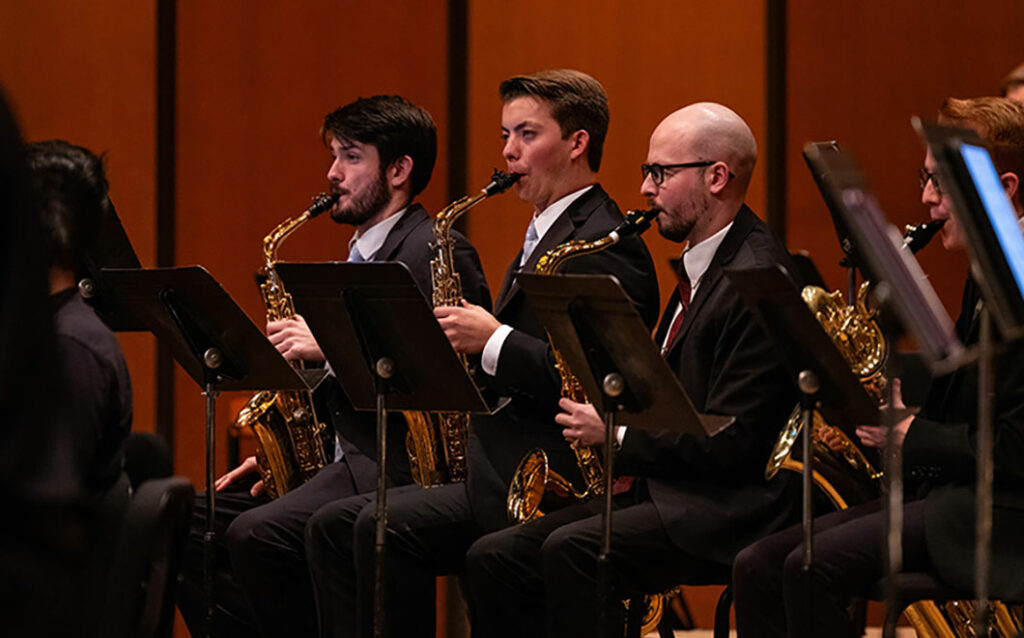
(292, 443)
(842, 471)
(534, 483)
(430, 467)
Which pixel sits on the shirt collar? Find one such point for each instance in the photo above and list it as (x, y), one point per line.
(543, 221)
(697, 258)
(370, 240)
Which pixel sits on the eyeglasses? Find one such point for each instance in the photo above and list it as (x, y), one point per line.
(657, 171)
(924, 176)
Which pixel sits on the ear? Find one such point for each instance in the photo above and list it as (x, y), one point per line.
(580, 143)
(717, 177)
(1011, 183)
(399, 172)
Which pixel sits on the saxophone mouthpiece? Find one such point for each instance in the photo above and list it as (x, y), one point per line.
(501, 182)
(321, 204)
(636, 222)
(917, 237)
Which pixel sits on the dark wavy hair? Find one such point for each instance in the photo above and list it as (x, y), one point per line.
(394, 126)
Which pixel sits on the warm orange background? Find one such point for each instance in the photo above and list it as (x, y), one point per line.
(255, 79)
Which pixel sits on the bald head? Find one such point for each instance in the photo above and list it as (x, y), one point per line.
(710, 131)
(706, 154)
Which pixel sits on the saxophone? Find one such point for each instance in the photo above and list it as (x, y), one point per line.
(292, 443)
(534, 482)
(429, 466)
(842, 471)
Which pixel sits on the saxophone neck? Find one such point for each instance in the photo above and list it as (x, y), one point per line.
(272, 242)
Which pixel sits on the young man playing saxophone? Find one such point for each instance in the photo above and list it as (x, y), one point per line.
(695, 502)
(554, 124)
(383, 151)
(938, 457)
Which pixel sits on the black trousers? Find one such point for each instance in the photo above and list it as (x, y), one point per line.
(540, 578)
(773, 597)
(233, 615)
(267, 549)
(428, 533)
(262, 585)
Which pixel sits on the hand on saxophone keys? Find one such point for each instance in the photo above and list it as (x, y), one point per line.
(581, 423)
(468, 327)
(294, 340)
(874, 435)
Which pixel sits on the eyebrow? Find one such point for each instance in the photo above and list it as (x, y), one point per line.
(521, 126)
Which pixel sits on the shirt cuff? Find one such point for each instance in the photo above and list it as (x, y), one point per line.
(620, 433)
(492, 349)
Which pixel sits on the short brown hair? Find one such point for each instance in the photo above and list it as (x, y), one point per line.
(577, 101)
(1000, 122)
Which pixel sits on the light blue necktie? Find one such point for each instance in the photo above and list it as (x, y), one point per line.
(530, 243)
(354, 255)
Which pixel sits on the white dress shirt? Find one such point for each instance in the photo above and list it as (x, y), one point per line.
(542, 222)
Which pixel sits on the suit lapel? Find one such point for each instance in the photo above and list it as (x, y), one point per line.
(561, 230)
(741, 227)
(401, 230)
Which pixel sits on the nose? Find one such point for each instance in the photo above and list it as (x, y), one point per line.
(929, 196)
(647, 187)
(334, 173)
(511, 149)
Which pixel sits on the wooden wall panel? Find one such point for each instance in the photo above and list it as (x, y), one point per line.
(857, 73)
(254, 83)
(651, 59)
(85, 72)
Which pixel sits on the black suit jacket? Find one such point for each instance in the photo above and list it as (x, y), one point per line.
(526, 370)
(940, 449)
(711, 493)
(408, 242)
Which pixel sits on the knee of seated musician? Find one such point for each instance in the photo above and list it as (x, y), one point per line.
(487, 559)
(570, 546)
(756, 570)
(251, 535)
(329, 530)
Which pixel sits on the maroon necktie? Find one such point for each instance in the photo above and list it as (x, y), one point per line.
(684, 298)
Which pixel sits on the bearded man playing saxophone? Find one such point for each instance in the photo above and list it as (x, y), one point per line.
(383, 150)
(554, 124)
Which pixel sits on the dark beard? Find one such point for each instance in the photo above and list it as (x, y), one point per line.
(363, 208)
(675, 231)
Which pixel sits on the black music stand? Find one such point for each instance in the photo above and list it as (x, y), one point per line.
(386, 350)
(214, 341)
(996, 250)
(595, 326)
(819, 371)
(111, 249)
(907, 300)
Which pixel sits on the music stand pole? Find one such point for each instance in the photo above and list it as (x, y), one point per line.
(809, 385)
(211, 360)
(893, 474)
(983, 522)
(612, 385)
(385, 369)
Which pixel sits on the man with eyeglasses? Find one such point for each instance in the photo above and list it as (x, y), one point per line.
(695, 501)
(771, 590)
